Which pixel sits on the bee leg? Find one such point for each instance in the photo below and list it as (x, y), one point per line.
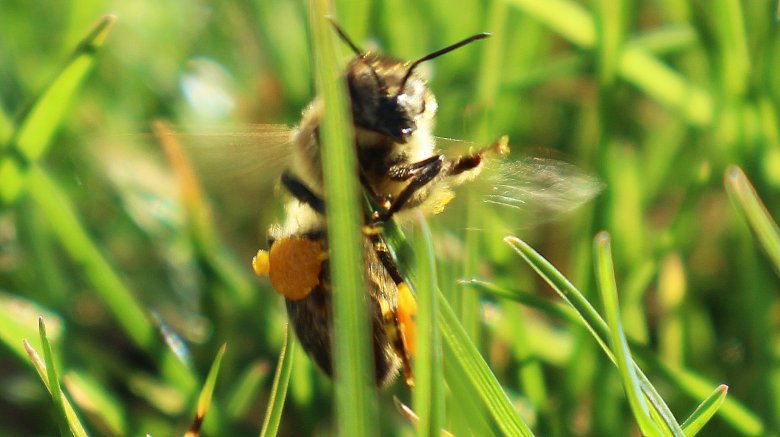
(383, 253)
(464, 163)
(406, 310)
(422, 172)
(419, 174)
(406, 171)
(405, 325)
(469, 162)
(300, 191)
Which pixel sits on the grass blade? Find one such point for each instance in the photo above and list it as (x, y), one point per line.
(605, 275)
(54, 381)
(429, 383)
(748, 203)
(588, 315)
(112, 291)
(17, 321)
(355, 393)
(206, 393)
(273, 413)
(693, 384)
(6, 127)
(470, 367)
(704, 412)
(246, 388)
(610, 18)
(636, 65)
(65, 409)
(737, 414)
(36, 128)
(590, 318)
(526, 298)
(98, 403)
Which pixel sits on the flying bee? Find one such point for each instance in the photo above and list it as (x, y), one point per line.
(400, 169)
(393, 113)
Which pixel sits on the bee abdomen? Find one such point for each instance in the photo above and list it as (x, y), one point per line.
(312, 319)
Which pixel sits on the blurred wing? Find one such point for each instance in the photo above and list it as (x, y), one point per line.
(534, 190)
(254, 154)
(529, 190)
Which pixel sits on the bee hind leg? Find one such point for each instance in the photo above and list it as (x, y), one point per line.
(403, 317)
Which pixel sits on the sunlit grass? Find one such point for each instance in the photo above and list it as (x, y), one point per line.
(644, 333)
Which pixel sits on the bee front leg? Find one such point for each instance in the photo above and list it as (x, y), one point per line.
(419, 174)
(465, 163)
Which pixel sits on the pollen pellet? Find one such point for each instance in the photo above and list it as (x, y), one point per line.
(407, 311)
(260, 263)
(294, 266)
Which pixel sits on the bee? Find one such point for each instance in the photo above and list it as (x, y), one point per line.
(400, 169)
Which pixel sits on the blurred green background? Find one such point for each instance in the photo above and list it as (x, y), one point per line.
(110, 242)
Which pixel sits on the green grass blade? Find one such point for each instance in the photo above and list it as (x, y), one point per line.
(428, 371)
(246, 388)
(735, 60)
(6, 127)
(571, 20)
(526, 298)
(636, 65)
(590, 318)
(356, 408)
(36, 128)
(466, 413)
(588, 315)
(605, 275)
(17, 321)
(98, 403)
(54, 381)
(469, 366)
(738, 415)
(66, 409)
(610, 18)
(112, 291)
(206, 393)
(73, 236)
(665, 40)
(748, 203)
(694, 385)
(704, 412)
(273, 413)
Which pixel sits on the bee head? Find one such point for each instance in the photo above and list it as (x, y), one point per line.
(384, 99)
(387, 95)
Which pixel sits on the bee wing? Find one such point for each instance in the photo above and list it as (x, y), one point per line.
(254, 154)
(534, 190)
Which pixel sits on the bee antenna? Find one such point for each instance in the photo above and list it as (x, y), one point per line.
(360, 53)
(438, 53)
(345, 38)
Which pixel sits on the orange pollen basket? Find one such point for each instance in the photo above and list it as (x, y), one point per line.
(407, 311)
(293, 264)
